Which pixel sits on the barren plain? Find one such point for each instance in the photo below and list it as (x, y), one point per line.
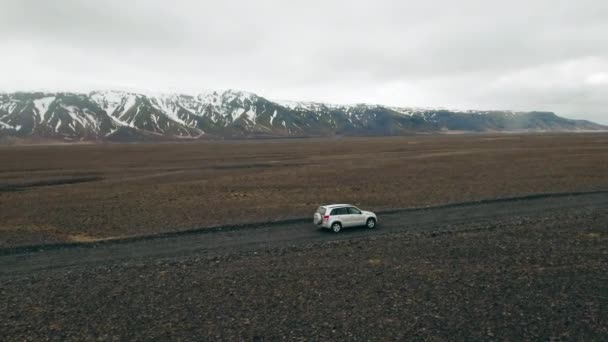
(89, 192)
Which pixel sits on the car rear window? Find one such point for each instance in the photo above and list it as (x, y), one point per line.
(321, 210)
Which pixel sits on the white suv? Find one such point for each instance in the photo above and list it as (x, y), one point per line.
(338, 216)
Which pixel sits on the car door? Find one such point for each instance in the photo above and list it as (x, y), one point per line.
(356, 217)
(341, 214)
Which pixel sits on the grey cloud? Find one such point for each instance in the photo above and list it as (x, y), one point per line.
(85, 23)
(433, 53)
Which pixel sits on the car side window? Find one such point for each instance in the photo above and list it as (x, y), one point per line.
(339, 211)
(355, 211)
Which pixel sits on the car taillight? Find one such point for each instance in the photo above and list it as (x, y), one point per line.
(326, 217)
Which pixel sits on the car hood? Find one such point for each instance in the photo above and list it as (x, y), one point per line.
(368, 213)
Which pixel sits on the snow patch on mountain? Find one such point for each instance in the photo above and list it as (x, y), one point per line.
(109, 101)
(169, 105)
(274, 115)
(312, 106)
(127, 103)
(42, 106)
(9, 106)
(5, 125)
(73, 111)
(119, 122)
(251, 115)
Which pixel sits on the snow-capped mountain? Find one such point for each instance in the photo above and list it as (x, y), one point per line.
(119, 115)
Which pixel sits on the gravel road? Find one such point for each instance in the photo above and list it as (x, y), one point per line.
(247, 237)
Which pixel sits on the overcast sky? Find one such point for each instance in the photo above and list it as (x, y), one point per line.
(517, 54)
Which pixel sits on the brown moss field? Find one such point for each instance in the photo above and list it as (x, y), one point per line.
(59, 193)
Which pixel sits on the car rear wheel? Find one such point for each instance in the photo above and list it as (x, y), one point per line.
(336, 227)
(371, 223)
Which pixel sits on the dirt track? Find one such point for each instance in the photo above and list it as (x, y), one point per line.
(297, 231)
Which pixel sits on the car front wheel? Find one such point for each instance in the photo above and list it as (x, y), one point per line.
(371, 223)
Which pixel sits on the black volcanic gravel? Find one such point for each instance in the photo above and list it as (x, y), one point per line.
(525, 278)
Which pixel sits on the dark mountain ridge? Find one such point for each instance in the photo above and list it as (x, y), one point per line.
(127, 116)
